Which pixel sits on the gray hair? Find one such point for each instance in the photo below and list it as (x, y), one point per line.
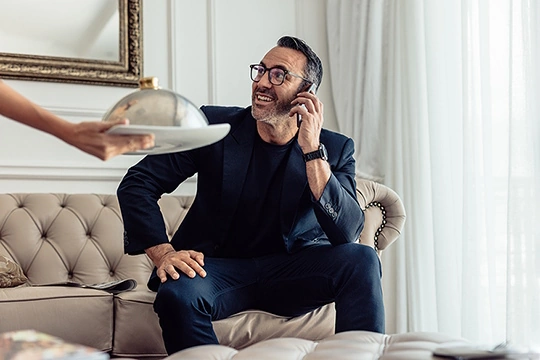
(313, 70)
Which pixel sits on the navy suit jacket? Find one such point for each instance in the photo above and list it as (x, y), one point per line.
(221, 168)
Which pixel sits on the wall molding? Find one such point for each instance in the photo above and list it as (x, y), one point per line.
(71, 179)
(171, 25)
(64, 111)
(65, 173)
(60, 173)
(211, 42)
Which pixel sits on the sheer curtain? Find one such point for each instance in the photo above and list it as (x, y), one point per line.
(452, 103)
(356, 40)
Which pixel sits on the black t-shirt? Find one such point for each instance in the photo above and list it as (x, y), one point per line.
(255, 229)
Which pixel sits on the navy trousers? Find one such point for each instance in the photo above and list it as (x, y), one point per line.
(282, 284)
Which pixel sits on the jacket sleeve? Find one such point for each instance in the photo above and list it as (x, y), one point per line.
(139, 192)
(337, 210)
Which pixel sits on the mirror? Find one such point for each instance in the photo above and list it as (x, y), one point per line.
(95, 42)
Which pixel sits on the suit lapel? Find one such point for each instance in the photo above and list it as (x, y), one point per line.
(236, 156)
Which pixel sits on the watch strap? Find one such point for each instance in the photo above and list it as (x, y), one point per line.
(320, 153)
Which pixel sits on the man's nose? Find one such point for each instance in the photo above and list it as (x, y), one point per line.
(265, 81)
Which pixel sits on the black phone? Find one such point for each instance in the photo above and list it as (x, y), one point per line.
(312, 89)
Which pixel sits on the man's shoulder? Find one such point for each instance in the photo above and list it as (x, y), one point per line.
(333, 136)
(224, 114)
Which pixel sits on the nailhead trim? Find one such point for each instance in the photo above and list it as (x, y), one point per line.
(383, 223)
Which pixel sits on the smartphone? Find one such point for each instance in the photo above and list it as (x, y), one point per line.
(312, 89)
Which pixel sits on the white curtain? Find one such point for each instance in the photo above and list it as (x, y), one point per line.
(356, 40)
(443, 101)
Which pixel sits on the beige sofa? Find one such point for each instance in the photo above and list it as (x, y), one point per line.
(79, 237)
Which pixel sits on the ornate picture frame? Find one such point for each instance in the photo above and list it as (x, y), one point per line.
(126, 72)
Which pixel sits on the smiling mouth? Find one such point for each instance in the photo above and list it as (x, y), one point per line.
(264, 98)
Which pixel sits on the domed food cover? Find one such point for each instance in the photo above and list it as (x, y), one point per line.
(177, 124)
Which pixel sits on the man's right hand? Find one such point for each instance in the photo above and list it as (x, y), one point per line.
(168, 261)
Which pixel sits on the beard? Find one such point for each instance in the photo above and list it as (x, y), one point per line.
(271, 114)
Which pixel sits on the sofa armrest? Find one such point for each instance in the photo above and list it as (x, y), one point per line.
(384, 214)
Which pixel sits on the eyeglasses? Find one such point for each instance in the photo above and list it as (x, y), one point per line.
(276, 75)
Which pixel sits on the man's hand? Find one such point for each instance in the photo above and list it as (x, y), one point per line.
(168, 261)
(317, 171)
(312, 120)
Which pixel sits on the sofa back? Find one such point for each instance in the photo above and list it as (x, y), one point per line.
(75, 237)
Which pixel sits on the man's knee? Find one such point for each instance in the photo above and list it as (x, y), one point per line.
(361, 258)
(176, 296)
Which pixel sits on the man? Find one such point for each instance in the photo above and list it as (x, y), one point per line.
(275, 219)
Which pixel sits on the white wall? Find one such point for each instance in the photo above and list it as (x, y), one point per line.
(198, 48)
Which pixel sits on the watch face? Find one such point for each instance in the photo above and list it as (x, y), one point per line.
(324, 153)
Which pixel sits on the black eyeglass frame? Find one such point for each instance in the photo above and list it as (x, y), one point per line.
(268, 70)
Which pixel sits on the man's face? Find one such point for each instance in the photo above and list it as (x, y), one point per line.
(270, 102)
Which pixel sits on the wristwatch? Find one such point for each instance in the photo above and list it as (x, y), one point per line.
(320, 153)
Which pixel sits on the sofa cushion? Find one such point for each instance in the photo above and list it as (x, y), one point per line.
(11, 273)
(137, 331)
(83, 316)
(349, 345)
(249, 327)
(136, 324)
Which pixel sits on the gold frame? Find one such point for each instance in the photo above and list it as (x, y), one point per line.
(126, 72)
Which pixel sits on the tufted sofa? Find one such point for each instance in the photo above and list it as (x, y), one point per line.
(79, 237)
